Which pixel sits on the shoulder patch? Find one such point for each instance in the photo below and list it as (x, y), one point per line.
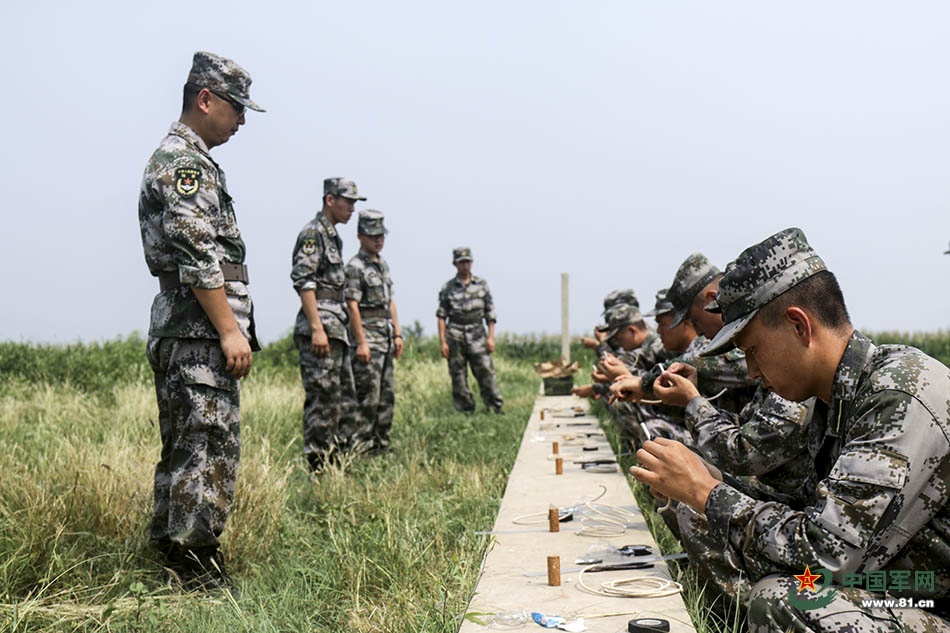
(309, 246)
(187, 181)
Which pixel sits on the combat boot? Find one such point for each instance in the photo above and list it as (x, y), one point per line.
(201, 569)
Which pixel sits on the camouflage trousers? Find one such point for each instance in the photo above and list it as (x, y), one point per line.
(329, 409)
(715, 564)
(463, 354)
(767, 602)
(375, 395)
(770, 609)
(199, 420)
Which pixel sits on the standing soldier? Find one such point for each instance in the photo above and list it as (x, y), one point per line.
(320, 331)
(375, 326)
(465, 301)
(201, 331)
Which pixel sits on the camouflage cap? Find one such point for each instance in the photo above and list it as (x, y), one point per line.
(760, 273)
(620, 316)
(693, 275)
(221, 75)
(620, 297)
(341, 187)
(663, 304)
(371, 223)
(461, 254)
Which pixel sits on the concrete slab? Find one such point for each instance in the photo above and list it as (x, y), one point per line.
(514, 574)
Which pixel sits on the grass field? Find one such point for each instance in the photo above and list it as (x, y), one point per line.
(384, 544)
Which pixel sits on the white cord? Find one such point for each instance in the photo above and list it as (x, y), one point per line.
(632, 587)
(605, 520)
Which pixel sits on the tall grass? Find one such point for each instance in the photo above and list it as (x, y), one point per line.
(377, 544)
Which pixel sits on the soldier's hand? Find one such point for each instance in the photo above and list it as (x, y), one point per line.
(584, 391)
(674, 389)
(445, 350)
(490, 344)
(237, 351)
(627, 388)
(613, 367)
(398, 345)
(685, 370)
(320, 343)
(674, 471)
(363, 353)
(589, 343)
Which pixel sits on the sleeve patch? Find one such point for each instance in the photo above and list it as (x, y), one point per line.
(187, 181)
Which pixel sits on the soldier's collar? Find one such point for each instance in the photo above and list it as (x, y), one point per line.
(851, 367)
(180, 129)
(325, 221)
(373, 259)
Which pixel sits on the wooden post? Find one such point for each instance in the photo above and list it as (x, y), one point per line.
(554, 523)
(559, 466)
(554, 571)
(554, 447)
(565, 326)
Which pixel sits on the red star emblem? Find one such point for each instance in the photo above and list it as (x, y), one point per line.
(807, 580)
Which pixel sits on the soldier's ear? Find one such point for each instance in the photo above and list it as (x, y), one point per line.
(203, 100)
(801, 323)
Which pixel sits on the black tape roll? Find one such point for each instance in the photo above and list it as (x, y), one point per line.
(648, 625)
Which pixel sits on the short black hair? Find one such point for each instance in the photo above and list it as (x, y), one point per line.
(820, 294)
(189, 95)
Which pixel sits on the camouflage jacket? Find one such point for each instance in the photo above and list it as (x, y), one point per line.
(639, 360)
(318, 266)
(884, 478)
(369, 284)
(770, 438)
(465, 306)
(716, 373)
(188, 227)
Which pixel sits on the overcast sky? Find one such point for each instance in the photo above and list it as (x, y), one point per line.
(608, 140)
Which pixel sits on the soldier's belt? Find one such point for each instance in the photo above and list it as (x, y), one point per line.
(468, 318)
(370, 313)
(329, 294)
(168, 280)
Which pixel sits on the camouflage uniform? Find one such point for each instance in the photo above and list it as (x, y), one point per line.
(771, 439)
(883, 473)
(614, 299)
(329, 412)
(637, 421)
(191, 238)
(464, 307)
(369, 284)
(660, 420)
(724, 376)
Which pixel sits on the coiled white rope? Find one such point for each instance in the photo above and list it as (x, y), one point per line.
(605, 520)
(632, 587)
